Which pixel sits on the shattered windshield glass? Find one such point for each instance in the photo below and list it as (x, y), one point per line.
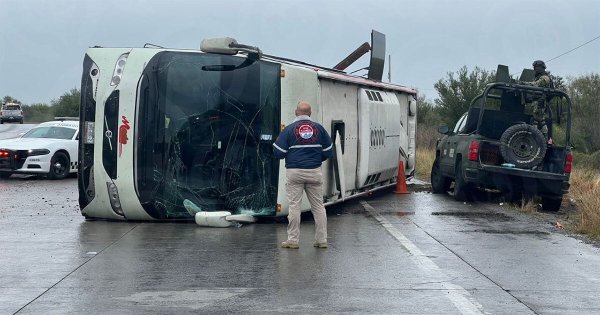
(205, 131)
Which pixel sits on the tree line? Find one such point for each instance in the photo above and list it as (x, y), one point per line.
(67, 105)
(454, 94)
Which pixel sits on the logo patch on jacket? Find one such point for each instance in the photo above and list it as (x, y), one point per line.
(306, 132)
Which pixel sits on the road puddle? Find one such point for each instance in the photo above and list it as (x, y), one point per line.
(492, 216)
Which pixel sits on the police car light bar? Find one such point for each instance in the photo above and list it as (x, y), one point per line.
(66, 118)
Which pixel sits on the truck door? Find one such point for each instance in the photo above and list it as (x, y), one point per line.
(448, 148)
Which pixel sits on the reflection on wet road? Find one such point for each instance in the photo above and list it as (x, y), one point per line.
(8, 131)
(389, 254)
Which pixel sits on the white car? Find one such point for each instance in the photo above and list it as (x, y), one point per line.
(49, 148)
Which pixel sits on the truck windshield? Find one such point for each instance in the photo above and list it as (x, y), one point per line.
(206, 125)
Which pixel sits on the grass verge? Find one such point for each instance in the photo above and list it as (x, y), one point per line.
(585, 190)
(425, 158)
(527, 206)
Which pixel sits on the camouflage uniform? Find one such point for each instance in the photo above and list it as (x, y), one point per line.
(540, 107)
(542, 80)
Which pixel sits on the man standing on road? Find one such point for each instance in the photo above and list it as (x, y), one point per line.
(305, 145)
(541, 109)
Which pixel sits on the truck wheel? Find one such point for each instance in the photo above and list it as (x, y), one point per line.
(59, 166)
(462, 190)
(523, 145)
(551, 204)
(512, 192)
(439, 183)
(5, 174)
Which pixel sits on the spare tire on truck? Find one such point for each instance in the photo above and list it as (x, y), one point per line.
(523, 145)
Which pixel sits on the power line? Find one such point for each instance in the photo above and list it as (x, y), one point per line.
(591, 40)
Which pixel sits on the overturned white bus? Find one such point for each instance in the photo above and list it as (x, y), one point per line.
(164, 127)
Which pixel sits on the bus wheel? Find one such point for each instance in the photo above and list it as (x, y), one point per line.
(59, 166)
(5, 174)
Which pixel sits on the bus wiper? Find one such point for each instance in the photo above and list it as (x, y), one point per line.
(244, 64)
(108, 133)
(218, 68)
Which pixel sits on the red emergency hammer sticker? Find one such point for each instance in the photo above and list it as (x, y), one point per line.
(123, 134)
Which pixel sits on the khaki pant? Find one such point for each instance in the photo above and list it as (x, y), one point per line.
(310, 181)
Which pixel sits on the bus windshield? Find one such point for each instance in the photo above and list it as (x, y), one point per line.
(205, 128)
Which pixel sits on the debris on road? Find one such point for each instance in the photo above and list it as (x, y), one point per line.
(216, 218)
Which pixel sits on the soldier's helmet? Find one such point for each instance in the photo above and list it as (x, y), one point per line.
(539, 63)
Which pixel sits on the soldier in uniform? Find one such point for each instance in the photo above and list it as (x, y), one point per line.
(541, 108)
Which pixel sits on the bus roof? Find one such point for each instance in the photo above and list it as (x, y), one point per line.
(332, 74)
(366, 82)
(322, 72)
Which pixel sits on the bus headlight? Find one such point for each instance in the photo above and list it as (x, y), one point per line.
(119, 67)
(113, 195)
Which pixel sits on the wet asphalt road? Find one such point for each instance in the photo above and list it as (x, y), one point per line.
(388, 254)
(8, 131)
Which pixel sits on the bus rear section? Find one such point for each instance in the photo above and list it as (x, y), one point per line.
(167, 133)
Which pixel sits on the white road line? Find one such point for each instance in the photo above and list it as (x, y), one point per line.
(460, 297)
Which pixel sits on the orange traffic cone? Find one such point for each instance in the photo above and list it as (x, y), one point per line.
(401, 180)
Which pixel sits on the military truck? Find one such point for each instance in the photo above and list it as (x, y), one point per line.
(496, 145)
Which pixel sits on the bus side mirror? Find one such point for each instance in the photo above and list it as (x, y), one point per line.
(219, 46)
(443, 130)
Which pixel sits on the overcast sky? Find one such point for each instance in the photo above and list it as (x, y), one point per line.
(42, 43)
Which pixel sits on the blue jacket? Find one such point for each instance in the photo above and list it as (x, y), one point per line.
(303, 144)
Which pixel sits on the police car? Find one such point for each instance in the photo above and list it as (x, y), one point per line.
(49, 148)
